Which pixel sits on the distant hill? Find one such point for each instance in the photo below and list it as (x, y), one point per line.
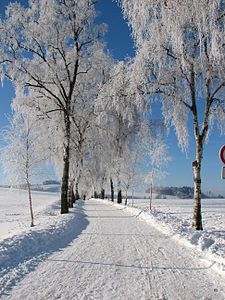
(184, 192)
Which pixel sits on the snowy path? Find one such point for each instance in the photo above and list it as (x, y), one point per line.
(118, 256)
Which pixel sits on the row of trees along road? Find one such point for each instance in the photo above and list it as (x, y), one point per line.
(93, 113)
(68, 91)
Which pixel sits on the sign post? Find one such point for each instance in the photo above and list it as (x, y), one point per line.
(223, 173)
(222, 158)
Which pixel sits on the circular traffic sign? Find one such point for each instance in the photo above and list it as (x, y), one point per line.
(222, 154)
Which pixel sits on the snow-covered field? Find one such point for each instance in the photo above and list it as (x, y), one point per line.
(14, 210)
(89, 252)
(175, 215)
(22, 247)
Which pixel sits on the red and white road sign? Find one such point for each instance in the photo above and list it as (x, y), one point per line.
(222, 154)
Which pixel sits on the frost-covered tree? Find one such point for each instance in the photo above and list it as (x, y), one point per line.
(129, 127)
(45, 49)
(22, 154)
(157, 156)
(129, 170)
(121, 116)
(180, 56)
(85, 130)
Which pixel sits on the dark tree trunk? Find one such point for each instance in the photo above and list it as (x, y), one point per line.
(77, 195)
(126, 198)
(150, 198)
(65, 178)
(112, 189)
(119, 143)
(119, 197)
(71, 196)
(102, 194)
(95, 194)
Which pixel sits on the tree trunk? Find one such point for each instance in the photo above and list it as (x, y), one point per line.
(77, 195)
(71, 194)
(199, 140)
(95, 194)
(150, 199)
(102, 194)
(112, 189)
(126, 198)
(30, 205)
(119, 196)
(65, 178)
(197, 215)
(73, 197)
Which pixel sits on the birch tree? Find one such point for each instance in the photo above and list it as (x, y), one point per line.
(45, 49)
(23, 153)
(121, 116)
(180, 56)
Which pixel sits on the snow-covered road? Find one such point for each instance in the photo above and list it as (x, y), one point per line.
(118, 256)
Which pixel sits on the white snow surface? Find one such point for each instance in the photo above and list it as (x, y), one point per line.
(14, 210)
(102, 250)
(174, 216)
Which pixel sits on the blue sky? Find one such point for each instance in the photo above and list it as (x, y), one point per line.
(179, 169)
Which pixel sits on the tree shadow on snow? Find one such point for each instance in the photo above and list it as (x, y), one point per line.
(22, 254)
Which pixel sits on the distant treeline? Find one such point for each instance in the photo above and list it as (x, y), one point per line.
(181, 192)
(47, 182)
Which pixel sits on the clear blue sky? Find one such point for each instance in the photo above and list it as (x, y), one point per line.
(179, 169)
